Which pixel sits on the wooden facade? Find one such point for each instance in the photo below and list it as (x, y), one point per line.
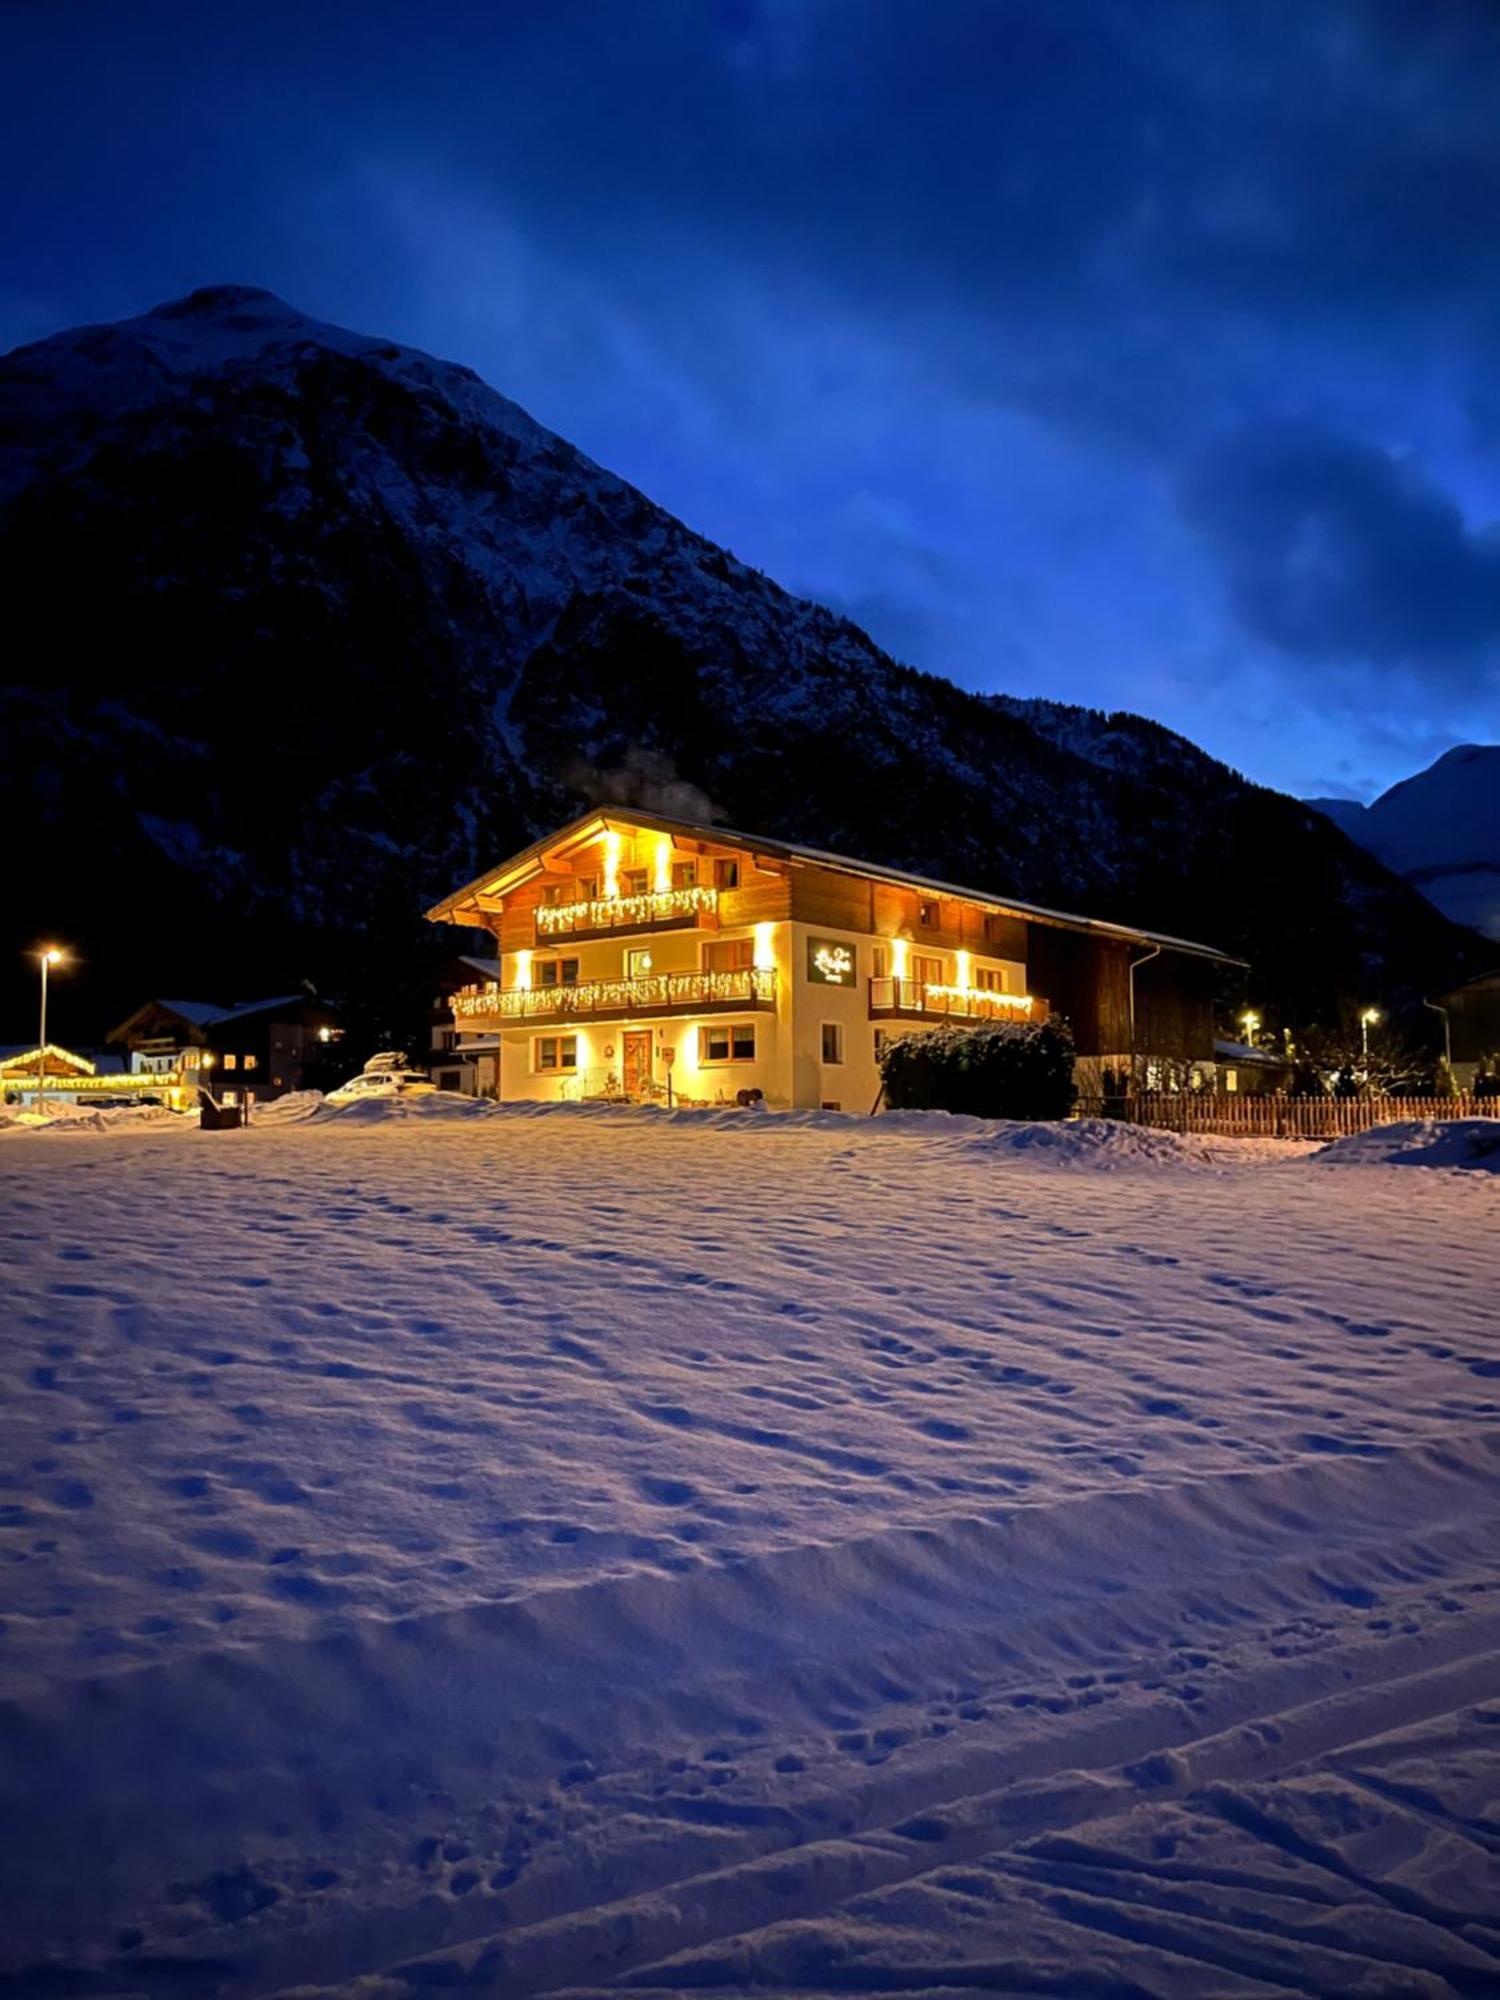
(624, 934)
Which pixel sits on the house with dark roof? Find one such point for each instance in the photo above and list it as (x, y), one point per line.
(648, 957)
(246, 1053)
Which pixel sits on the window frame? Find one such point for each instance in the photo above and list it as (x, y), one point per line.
(831, 1033)
(557, 1067)
(731, 1032)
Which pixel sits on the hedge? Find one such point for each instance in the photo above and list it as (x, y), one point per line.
(992, 1070)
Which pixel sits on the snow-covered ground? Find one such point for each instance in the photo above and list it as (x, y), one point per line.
(580, 1550)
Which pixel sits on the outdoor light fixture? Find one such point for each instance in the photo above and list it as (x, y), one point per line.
(49, 956)
(1250, 1022)
(1367, 1021)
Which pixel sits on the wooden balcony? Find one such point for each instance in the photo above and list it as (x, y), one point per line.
(480, 1008)
(663, 910)
(907, 1000)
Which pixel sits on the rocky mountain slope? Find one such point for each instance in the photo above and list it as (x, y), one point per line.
(308, 627)
(1440, 830)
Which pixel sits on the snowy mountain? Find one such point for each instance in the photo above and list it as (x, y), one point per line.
(308, 627)
(1441, 830)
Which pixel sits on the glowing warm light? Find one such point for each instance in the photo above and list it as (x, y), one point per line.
(743, 986)
(662, 878)
(764, 957)
(1369, 1017)
(325, 1034)
(522, 980)
(973, 1001)
(962, 978)
(51, 955)
(626, 913)
(900, 957)
(1250, 1022)
(612, 846)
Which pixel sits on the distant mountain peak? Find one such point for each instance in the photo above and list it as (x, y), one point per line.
(1440, 829)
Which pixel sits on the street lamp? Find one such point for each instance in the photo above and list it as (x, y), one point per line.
(1367, 1021)
(1250, 1022)
(49, 956)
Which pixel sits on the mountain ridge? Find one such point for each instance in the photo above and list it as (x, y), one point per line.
(313, 626)
(1439, 830)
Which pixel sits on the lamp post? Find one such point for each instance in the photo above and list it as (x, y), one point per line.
(1250, 1022)
(49, 956)
(1367, 1020)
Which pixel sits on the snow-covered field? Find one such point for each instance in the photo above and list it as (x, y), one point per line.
(582, 1550)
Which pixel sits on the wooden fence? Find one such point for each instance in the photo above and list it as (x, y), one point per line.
(1246, 1116)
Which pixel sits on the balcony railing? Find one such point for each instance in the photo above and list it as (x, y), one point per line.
(913, 1000)
(664, 910)
(618, 999)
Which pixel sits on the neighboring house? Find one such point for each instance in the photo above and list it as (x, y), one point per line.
(1473, 1018)
(455, 1058)
(75, 1079)
(248, 1053)
(641, 956)
(1251, 1072)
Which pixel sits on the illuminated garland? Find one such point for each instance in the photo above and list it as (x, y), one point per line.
(743, 986)
(625, 912)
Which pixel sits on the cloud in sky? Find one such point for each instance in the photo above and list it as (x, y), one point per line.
(1137, 355)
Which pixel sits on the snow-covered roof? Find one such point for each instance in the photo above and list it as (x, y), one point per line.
(197, 1012)
(489, 968)
(1241, 1052)
(792, 851)
(249, 1007)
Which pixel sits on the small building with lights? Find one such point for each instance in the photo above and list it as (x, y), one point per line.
(1471, 1015)
(55, 1075)
(649, 959)
(248, 1053)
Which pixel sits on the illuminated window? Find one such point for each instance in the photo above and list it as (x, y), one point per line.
(637, 964)
(1231, 1079)
(989, 979)
(928, 914)
(230, 1097)
(636, 881)
(684, 874)
(727, 874)
(555, 1052)
(586, 888)
(555, 972)
(551, 895)
(926, 971)
(231, 1062)
(728, 954)
(727, 1042)
(833, 1047)
(251, 1061)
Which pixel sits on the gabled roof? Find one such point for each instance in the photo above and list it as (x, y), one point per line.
(15, 1058)
(510, 874)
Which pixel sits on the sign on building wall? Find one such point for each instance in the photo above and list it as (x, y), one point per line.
(830, 963)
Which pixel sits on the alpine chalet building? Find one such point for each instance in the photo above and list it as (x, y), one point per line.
(653, 959)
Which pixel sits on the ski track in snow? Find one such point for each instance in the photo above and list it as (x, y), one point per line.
(554, 1553)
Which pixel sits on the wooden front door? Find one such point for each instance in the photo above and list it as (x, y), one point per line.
(637, 1067)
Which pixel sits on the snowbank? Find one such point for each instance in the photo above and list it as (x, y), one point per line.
(1421, 1142)
(1099, 1143)
(86, 1117)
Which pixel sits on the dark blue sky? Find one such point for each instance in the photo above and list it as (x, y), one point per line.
(1140, 355)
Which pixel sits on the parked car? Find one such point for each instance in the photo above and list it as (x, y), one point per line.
(383, 1083)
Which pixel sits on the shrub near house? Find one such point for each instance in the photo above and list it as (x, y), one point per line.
(999, 1070)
